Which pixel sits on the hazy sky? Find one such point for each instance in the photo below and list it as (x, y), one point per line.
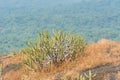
(6, 3)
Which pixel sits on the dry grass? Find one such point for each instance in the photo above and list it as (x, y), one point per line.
(118, 76)
(96, 54)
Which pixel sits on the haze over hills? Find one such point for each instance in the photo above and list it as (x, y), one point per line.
(93, 19)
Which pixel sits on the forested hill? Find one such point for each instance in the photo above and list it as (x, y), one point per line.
(21, 19)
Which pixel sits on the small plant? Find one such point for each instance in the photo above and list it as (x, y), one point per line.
(81, 78)
(90, 75)
(85, 76)
(53, 48)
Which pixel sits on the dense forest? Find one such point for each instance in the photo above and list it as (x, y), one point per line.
(21, 20)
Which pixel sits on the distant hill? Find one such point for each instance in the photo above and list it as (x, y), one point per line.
(93, 19)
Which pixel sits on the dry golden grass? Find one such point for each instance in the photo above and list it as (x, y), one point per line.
(118, 76)
(96, 54)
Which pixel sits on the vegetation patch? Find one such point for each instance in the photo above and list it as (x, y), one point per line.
(53, 48)
(85, 76)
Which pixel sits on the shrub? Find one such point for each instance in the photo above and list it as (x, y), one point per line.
(85, 76)
(53, 48)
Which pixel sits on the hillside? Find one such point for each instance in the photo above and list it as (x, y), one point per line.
(102, 58)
